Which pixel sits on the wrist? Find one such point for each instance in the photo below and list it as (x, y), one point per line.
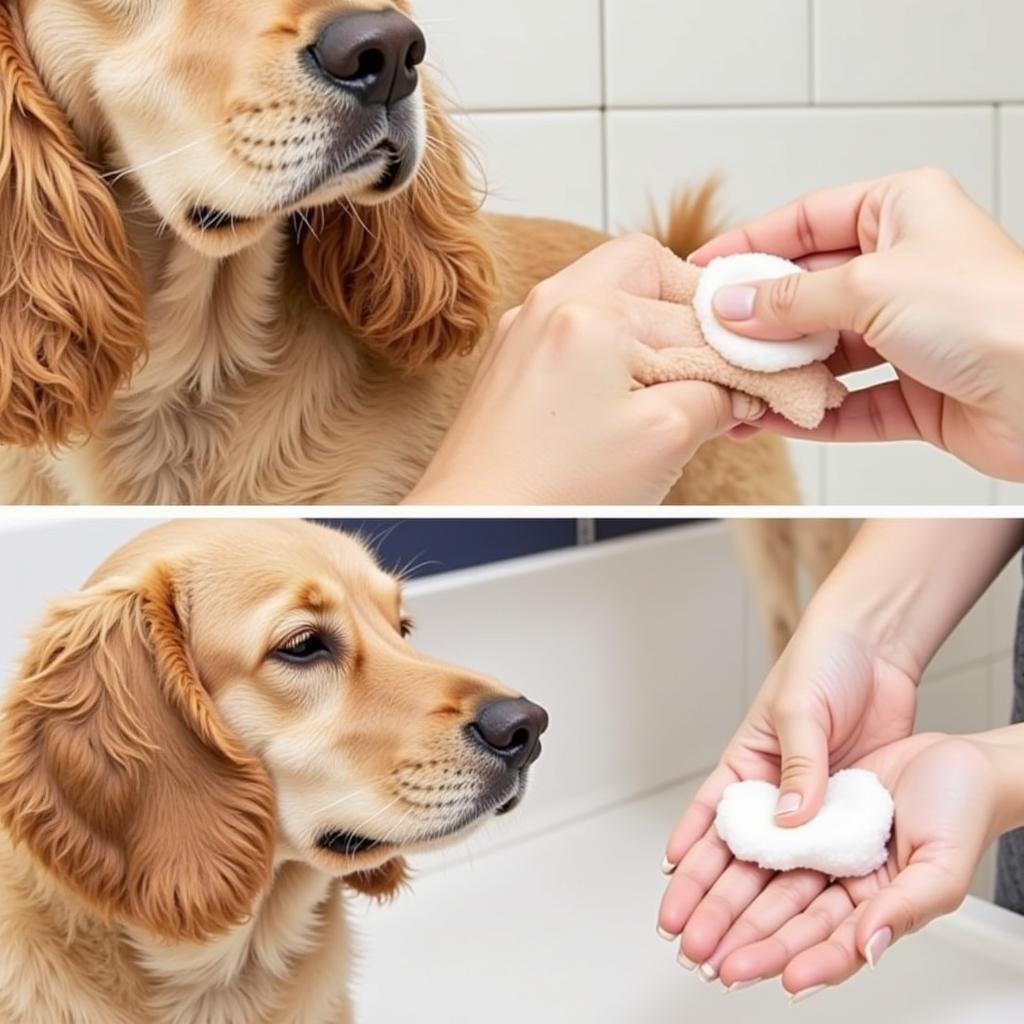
(876, 617)
(1004, 749)
(904, 586)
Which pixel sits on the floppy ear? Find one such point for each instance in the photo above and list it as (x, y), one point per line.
(118, 775)
(413, 277)
(71, 321)
(383, 883)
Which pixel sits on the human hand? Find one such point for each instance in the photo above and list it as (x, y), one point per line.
(555, 414)
(916, 275)
(831, 700)
(952, 800)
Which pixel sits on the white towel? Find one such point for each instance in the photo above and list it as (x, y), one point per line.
(748, 354)
(848, 838)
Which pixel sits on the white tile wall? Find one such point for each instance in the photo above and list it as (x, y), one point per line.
(586, 108)
(884, 51)
(769, 156)
(533, 161)
(1012, 177)
(534, 54)
(956, 703)
(694, 53)
(1010, 494)
(1001, 700)
(901, 474)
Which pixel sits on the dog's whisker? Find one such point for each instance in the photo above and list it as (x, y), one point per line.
(114, 176)
(309, 226)
(359, 220)
(360, 828)
(389, 835)
(364, 790)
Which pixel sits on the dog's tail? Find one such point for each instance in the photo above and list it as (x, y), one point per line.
(784, 557)
(785, 560)
(693, 219)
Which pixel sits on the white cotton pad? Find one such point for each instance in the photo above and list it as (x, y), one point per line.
(848, 838)
(747, 353)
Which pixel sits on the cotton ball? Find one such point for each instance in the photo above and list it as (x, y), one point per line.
(848, 838)
(746, 353)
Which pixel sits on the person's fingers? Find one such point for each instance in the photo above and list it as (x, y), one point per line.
(829, 961)
(692, 878)
(637, 264)
(770, 956)
(825, 221)
(699, 816)
(853, 355)
(803, 749)
(880, 413)
(659, 324)
(786, 896)
(926, 889)
(738, 886)
(694, 412)
(828, 260)
(801, 304)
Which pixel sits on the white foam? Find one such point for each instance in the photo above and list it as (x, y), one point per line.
(747, 353)
(848, 838)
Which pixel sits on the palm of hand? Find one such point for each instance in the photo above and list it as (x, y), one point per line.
(858, 702)
(815, 931)
(861, 703)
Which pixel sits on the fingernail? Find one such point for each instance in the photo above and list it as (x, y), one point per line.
(739, 986)
(789, 803)
(707, 973)
(667, 867)
(736, 302)
(685, 961)
(747, 409)
(877, 945)
(667, 935)
(802, 997)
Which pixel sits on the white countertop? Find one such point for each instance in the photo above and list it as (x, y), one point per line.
(560, 929)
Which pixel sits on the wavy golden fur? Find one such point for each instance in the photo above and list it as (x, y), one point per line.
(415, 279)
(280, 370)
(170, 780)
(70, 298)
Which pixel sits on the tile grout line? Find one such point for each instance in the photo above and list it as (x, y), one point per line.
(998, 196)
(997, 204)
(602, 14)
(751, 107)
(812, 56)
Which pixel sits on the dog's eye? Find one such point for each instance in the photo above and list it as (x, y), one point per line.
(304, 648)
(406, 626)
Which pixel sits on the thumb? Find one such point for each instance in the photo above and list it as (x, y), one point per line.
(923, 891)
(705, 411)
(795, 306)
(803, 745)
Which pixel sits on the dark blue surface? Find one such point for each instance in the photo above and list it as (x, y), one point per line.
(427, 547)
(611, 529)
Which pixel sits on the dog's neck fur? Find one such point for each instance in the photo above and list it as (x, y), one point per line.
(216, 338)
(210, 321)
(252, 394)
(286, 965)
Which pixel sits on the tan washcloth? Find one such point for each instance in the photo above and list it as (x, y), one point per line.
(802, 396)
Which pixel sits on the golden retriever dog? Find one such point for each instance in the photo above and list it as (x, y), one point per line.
(242, 260)
(224, 732)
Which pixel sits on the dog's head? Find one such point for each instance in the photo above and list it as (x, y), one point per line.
(219, 119)
(222, 697)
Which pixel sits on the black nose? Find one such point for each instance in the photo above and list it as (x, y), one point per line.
(512, 730)
(373, 55)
